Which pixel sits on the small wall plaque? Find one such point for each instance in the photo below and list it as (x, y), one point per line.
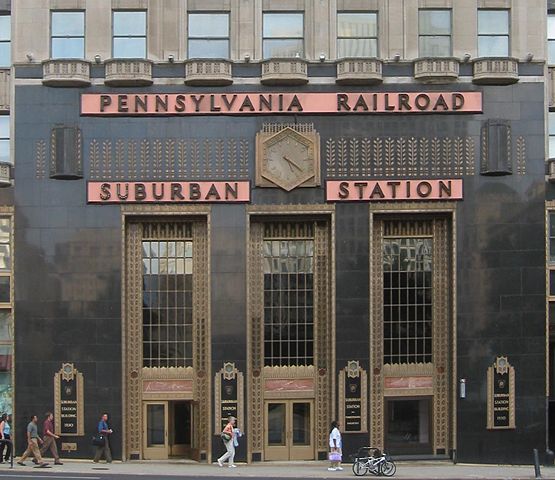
(229, 397)
(501, 395)
(68, 401)
(69, 446)
(352, 398)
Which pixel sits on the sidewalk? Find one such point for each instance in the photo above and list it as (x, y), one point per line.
(288, 470)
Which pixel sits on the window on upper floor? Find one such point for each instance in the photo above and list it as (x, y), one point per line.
(357, 35)
(5, 138)
(208, 35)
(551, 39)
(551, 126)
(283, 35)
(493, 33)
(434, 27)
(5, 41)
(129, 34)
(67, 35)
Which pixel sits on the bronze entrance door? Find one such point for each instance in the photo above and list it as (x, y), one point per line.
(289, 427)
(290, 337)
(411, 328)
(166, 339)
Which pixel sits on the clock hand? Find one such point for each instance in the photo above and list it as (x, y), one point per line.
(291, 162)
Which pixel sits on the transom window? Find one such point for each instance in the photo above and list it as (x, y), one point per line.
(283, 35)
(288, 302)
(434, 28)
(208, 35)
(551, 39)
(67, 35)
(167, 303)
(129, 34)
(357, 35)
(493, 33)
(407, 302)
(5, 41)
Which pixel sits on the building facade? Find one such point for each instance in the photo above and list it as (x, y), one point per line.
(288, 211)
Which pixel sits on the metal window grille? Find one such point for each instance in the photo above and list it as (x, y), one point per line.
(288, 302)
(167, 303)
(407, 300)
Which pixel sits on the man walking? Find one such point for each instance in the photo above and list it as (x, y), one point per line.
(105, 430)
(49, 438)
(33, 441)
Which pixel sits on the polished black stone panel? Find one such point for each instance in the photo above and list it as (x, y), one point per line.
(68, 262)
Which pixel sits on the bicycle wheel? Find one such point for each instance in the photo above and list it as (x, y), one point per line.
(360, 467)
(388, 468)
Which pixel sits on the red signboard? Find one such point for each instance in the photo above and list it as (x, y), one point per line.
(391, 190)
(160, 104)
(168, 192)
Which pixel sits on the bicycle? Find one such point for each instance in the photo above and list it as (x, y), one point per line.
(374, 462)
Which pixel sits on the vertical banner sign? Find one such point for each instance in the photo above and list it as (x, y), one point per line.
(501, 395)
(352, 398)
(229, 397)
(68, 401)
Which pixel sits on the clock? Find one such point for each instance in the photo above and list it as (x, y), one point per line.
(288, 159)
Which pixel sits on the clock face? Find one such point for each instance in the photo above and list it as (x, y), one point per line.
(288, 159)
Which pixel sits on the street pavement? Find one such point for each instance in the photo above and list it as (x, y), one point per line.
(152, 470)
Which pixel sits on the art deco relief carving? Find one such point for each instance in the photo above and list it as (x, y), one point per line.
(40, 159)
(228, 397)
(353, 398)
(125, 159)
(399, 156)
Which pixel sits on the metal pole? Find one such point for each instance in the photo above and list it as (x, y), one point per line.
(537, 464)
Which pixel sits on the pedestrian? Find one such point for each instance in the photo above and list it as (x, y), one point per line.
(335, 447)
(5, 429)
(33, 441)
(49, 438)
(228, 436)
(105, 431)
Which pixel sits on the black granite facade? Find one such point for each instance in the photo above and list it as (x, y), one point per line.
(68, 254)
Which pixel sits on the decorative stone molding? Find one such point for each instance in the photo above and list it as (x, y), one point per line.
(66, 73)
(359, 71)
(436, 70)
(551, 86)
(5, 80)
(495, 71)
(5, 169)
(128, 72)
(284, 71)
(213, 72)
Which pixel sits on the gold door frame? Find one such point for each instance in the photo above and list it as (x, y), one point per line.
(444, 365)
(132, 219)
(323, 371)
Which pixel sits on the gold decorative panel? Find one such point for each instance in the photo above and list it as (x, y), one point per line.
(353, 398)
(140, 383)
(228, 397)
(501, 395)
(435, 379)
(69, 404)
